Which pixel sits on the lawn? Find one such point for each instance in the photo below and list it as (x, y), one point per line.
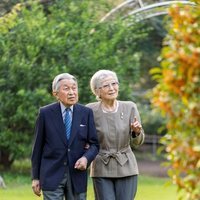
(154, 188)
(149, 188)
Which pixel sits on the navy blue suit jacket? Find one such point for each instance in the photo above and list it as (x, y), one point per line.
(52, 153)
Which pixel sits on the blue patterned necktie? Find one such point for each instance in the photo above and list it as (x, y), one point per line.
(68, 122)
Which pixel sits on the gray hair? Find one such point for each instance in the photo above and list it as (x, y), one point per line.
(58, 78)
(98, 77)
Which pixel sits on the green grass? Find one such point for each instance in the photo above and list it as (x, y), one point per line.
(153, 188)
(18, 183)
(149, 188)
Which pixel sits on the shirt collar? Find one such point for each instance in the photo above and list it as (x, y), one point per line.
(64, 107)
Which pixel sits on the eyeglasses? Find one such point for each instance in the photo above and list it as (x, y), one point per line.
(109, 85)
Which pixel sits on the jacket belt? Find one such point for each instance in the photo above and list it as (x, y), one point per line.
(120, 156)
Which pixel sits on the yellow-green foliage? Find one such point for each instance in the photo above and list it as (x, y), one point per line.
(8, 20)
(177, 96)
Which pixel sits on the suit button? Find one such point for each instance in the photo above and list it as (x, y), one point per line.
(65, 163)
(68, 150)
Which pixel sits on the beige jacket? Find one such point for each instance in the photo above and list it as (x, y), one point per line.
(115, 158)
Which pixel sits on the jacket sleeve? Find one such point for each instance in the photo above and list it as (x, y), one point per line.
(136, 141)
(93, 149)
(37, 147)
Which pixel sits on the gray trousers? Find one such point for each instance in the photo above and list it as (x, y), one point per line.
(64, 191)
(115, 188)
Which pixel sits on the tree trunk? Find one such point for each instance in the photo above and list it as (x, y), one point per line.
(5, 159)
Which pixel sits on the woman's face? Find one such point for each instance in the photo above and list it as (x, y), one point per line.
(108, 89)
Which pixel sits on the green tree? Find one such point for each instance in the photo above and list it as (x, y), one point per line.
(36, 44)
(177, 96)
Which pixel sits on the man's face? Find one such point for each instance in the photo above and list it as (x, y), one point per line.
(68, 92)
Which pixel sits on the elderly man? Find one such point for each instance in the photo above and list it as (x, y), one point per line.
(65, 144)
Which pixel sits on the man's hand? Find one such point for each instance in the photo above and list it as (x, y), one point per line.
(36, 187)
(81, 163)
(87, 146)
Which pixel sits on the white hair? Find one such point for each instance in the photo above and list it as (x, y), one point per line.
(58, 78)
(98, 77)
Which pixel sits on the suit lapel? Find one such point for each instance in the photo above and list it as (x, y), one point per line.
(76, 121)
(58, 122)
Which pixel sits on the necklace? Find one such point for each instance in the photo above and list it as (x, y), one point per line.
(110, 109)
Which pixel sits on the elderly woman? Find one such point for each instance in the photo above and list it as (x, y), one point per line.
(114, 171)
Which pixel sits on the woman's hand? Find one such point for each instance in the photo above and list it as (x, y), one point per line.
(136, 127)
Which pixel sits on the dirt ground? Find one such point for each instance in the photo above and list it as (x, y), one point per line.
(151, 168)
(149, 164)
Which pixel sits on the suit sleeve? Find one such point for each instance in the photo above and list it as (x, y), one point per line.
(37, 147)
